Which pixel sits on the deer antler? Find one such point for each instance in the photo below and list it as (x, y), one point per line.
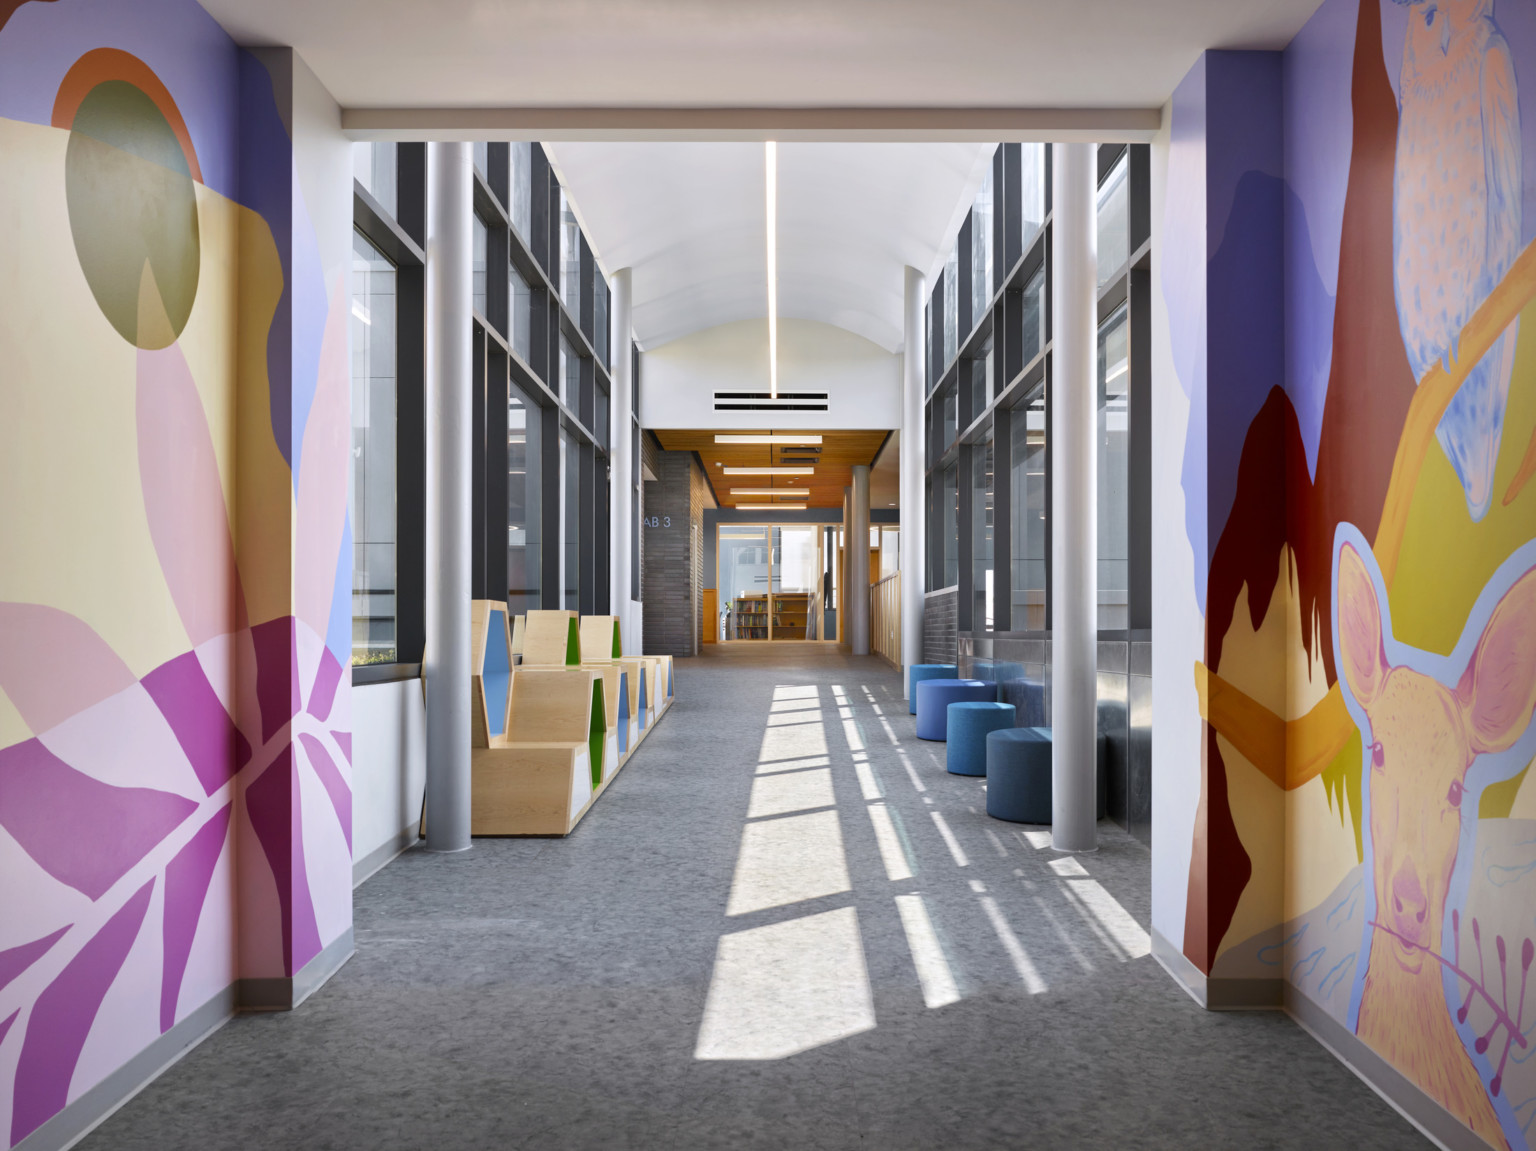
(1291, 752)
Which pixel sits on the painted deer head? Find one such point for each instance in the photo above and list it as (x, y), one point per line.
(1425, 736)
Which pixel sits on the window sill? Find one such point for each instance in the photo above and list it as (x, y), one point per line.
(367, 673)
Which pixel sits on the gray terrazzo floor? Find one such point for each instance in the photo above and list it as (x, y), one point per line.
(558, 993)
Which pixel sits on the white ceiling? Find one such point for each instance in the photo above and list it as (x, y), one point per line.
(773, 53)
(690, 219)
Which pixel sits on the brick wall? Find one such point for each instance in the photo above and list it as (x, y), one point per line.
(940, 617)
(673, 527)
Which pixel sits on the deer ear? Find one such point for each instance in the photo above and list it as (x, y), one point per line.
(1498, 692)
(1361, 659)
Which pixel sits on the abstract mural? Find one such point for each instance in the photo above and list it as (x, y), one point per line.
(175, 733)
(1364, 561)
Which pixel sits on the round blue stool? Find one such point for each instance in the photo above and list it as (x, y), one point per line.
(921, 671)
(1019, 774)
(934, 697)
(969, 724)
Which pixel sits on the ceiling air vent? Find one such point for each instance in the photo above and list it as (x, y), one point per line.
(762, 402)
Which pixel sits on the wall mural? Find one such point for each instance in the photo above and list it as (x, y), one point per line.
(1367, 825)
(175, 734)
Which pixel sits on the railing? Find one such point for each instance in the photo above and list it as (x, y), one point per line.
(885, 619)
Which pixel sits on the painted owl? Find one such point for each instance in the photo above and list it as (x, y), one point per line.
(1456, 215)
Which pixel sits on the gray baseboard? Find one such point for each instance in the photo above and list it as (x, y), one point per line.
(284, 994)
(1217, 994)
(1434, 1122)
(90, 1110)
(369, 865)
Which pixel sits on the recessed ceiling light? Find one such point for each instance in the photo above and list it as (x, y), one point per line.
(770, 507)
(773, 438)
(891, 504)
(800, 493)
(770, 471)
(771, 180)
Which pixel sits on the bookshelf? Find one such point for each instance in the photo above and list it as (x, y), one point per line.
(749, 617)
(791, 614)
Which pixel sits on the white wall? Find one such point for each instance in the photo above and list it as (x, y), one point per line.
(678, 380)
(389, 770)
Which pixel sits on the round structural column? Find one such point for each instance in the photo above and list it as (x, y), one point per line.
(913, 460)
(622, 451)
(449, 421)
(858, 561)
(1074, 499)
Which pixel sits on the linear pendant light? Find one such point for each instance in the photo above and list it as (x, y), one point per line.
(770, 507)
(771, 169)
(794, 493)
(802, 440)
(776, 471)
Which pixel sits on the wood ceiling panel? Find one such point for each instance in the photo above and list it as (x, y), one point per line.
(840, 451)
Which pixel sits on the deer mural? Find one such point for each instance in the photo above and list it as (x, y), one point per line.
(1421, 736)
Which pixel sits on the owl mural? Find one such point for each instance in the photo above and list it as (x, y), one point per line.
(1456, 215)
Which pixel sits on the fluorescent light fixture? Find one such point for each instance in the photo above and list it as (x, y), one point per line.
(770, 507)
(769, 471)
(773, 438)
(802, 493)
(771, 171)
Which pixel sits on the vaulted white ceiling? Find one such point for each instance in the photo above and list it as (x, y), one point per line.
(690, 220)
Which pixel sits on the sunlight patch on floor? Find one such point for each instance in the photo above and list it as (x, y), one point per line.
(788, 860)
(949, 840)
(785, 792)
(1016, 953)
(933, 971)
(787, 987)
(892, 853)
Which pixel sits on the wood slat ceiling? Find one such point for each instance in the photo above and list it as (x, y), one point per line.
(840, 451)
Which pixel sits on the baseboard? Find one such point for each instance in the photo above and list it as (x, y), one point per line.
(369, 865)
(1433, 1121)
(82, 1116)
(286, 993)
(1217, 994)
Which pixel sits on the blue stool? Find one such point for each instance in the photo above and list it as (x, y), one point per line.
(934, 697)
(921, 671)
(1019, 774)
(969, 724)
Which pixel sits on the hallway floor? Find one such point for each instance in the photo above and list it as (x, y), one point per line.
(784, 926)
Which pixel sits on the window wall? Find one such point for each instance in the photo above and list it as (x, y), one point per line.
(524, 498)
(989, 399)
(373, 455)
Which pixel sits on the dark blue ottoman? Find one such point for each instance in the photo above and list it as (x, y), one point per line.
(969, 724)
(1019, 774)
(934, 697)
(918, 672)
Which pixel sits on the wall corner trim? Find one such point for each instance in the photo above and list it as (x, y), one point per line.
(286, 993)
(1217, 994)
(84, 1114)
(1434, 1122)
(1189, 977)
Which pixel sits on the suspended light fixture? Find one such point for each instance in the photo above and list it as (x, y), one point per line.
(770, 507)
(776, 471)
(800, 440)
(798, 493)
(771, 170)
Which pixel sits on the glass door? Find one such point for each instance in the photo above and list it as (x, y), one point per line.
(743, 582)
(796, 567)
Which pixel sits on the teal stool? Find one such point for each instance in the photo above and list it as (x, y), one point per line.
(921, 671)
(969, 725)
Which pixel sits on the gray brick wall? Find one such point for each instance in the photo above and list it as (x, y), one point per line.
(940, 617)
(673, 527)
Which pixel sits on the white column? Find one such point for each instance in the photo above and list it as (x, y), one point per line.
(1074, 499)
(858, 562)
(622, 463)
(913, 461)
(446, 662)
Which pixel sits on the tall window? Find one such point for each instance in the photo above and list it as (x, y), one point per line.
(523, 503)
(520, 302)
(981, 250)
(980, 383)
(600, 321)
(570, 258)
(951, 303)
(570, 375)
(949, 526)
(1114, 474)
(521, 187)
(482, 152)
(1114, 221)
(570, 517)
(480, 239)
(374, 167)
(981, 536)
(372, 487)
(1034, 315)
(1026, 501)
(1032, 192)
